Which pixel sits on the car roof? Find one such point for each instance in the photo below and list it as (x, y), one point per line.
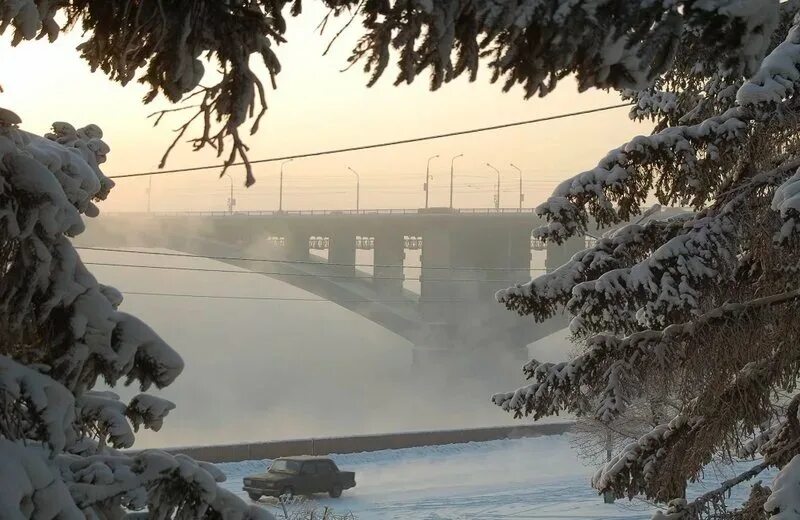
(305, 458)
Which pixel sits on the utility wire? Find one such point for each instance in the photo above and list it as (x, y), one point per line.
(378, 145)
(283, 299)
(301, 262)
(233, 271)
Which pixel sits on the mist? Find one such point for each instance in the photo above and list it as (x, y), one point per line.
(258, 370)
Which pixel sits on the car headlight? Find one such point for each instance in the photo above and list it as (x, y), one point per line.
(247, 482)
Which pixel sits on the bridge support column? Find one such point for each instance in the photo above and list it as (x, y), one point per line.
(389, 251)
(436, 337)
(296, 245)
(467, 329)
(558, 255)
(343, 251)
(498, 258)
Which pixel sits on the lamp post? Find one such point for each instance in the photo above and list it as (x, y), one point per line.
(358, 189)
(280, 190)
(497, 196)
(231, 200)
(428, 178)
(149, 191)
(521, 195)
(452, 161)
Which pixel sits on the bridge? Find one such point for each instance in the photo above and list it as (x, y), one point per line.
(466, 256)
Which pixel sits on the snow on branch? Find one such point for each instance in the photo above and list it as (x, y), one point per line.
(681, 157)
(777, 77)
(784, 502)
(663, 286)
(760, 441)
(30, 485)
(148, 411)
(143, 355)
(781, 442)
(621, 45)
(607, 48)
(786, 201)
(660, 463)
(34, 406)
(615, 190)
(631, 470)
(168, 486)
(61, 332)
(105, 413)
(681, 509)
(544, 295)
(607, 358)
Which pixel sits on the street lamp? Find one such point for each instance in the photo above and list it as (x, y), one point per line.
(521, 196)
(280, 190)
(149, 191)
(231, 200)
(428, 178)
(452, 161)
(358, 189)
(496, 197)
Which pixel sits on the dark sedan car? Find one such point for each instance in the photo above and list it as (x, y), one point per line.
(289, 476)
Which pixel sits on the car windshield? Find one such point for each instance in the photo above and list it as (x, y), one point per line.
(285, 466)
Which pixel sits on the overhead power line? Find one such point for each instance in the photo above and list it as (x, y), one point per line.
(271, 273)
(379, 145)
(299, 262)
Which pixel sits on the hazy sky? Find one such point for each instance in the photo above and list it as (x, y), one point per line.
(318, 107)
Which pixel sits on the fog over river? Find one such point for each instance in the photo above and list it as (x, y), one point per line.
(275, 369)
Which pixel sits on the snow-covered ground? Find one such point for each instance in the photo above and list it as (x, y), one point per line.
(534, 478)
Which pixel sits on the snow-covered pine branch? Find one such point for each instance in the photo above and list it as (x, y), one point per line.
(784, 501)
(167, 486)
(561, 386)
(61, 333)
(621, 45)
(707, 309)
(659, 464)
(543, 296)
(684, 165)
(709, 503)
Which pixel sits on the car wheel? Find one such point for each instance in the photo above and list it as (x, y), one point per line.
(336, 491)
(254, 496)
(287, 493)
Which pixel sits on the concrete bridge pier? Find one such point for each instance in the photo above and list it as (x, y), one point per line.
(389, 251)
(342, 250)
(462, 268)
(296, 244)
(434, 345)
(486, 329)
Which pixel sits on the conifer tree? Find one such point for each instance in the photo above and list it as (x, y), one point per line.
(703, 303)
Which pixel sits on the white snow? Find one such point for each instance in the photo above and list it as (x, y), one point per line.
(785, 498)
(776, 78)
(787, 201)
(534, 478)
